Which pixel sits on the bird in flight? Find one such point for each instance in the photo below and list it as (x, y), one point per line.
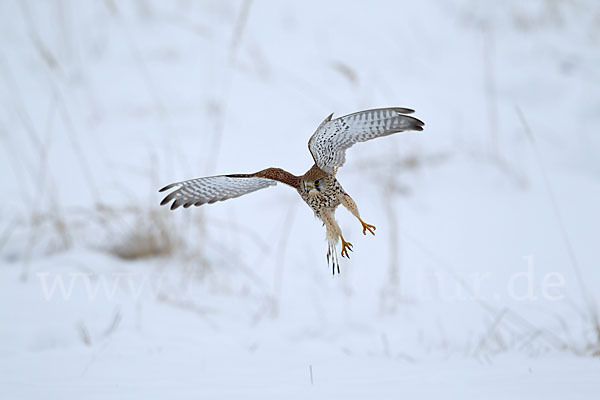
(318, 187)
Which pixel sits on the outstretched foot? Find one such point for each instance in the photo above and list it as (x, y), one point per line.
(367, 227)
(345, 247)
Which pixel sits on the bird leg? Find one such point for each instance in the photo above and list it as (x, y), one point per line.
(345, 247)
(367, 227)
(351, 206)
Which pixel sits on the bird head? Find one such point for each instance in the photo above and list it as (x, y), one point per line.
(313, 186)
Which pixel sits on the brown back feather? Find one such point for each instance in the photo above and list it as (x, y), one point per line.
(314, 173)
(276, 174)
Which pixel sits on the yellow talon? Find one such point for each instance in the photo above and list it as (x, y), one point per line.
(367, 227)
(345, 247)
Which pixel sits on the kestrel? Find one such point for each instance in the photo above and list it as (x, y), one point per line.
(318, 187)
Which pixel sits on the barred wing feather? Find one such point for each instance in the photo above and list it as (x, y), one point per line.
(329, 143)
(210, 189)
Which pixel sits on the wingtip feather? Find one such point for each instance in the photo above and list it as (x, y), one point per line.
(402, 110)
(417, 124)
(168, 198)
(172, 185)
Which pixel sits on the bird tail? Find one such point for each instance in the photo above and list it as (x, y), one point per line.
(332, 233)
(332, 258)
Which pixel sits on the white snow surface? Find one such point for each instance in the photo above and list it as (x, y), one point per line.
(482, 278)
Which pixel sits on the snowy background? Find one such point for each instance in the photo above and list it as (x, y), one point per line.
(482, 280)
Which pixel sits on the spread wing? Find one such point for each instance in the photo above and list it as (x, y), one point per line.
(210, 189)
(329, 143)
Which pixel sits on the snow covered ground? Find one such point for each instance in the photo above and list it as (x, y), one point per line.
(482, 278)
